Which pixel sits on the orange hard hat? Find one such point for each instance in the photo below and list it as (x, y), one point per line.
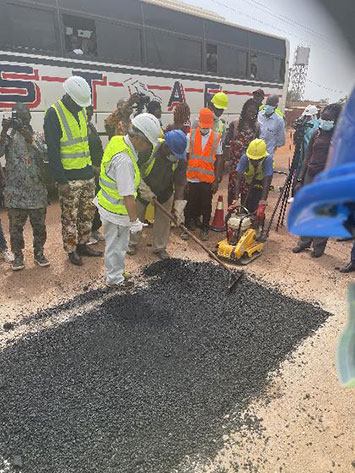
(206, 118)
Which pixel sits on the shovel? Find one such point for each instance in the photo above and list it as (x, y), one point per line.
(234, 277)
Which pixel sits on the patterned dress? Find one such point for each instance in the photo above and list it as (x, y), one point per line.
(239, 143)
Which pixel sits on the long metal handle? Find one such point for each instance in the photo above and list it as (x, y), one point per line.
(199, 242)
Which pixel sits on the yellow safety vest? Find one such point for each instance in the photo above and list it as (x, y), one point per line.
(74, 143)
(109, 197)
(254, 174)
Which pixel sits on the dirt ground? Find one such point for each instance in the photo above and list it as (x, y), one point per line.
(308, 426)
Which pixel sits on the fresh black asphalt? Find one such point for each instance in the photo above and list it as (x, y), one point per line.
(145, 378)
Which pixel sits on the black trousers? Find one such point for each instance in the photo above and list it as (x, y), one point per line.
(319, 243)
(96, 223)
(199, 202)
(251, 199)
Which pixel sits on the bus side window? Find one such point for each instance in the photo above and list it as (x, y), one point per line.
(211, 58)
(33, 28)
(79, 36)
(253, 66)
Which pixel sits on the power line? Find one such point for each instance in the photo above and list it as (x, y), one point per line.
(284, 32)
(288, 20)
(329, 89)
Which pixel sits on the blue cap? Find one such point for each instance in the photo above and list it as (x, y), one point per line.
(177, 142)
(326, 208)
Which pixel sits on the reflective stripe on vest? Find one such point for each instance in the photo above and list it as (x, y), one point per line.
(201, 163)
(109, 197)
(74, 143)
(254, 174)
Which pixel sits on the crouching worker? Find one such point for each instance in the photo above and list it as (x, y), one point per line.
(254, 176)
(116, 201)
(163, 178)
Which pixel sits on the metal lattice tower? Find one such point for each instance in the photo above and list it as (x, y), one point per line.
(299, 72)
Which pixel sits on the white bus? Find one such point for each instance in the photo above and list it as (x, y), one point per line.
(164, 49)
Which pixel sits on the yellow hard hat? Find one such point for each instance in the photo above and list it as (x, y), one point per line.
(220, 100)
(257, 149)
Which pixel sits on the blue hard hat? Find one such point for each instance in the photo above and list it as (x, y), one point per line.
(326, 208)
(177, 142)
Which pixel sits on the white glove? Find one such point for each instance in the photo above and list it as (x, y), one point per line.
(178, 211)
(145, 192)
(136, 226)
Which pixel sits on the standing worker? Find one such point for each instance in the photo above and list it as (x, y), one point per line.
(217, 105)
(25, 188)
(163, 172)
(204, 170)
(313, 164)
(274, 100)
(272, 126)
(66, 133)
(256, 169)
(116, 201)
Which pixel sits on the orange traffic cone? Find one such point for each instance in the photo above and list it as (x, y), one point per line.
(218, 224)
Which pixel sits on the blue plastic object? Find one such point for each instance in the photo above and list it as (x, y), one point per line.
(177, 142)
(326, 208)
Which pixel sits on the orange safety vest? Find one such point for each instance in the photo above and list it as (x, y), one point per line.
(201, 162)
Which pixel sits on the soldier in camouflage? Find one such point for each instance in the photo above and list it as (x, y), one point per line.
(25, 190)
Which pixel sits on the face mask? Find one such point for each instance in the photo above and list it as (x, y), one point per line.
(326, 125)
(269, 109)
(204, 131)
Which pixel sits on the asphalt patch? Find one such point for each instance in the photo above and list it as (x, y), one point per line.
(145, 378)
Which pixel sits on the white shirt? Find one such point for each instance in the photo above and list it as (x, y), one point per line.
(121, 170)
(204, 143)
(272, 131)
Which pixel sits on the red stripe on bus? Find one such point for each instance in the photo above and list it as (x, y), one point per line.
(53, 79)
(191, 89)
(115, 84)
(17, 76)
(159, 87)
(232, 92)
(12, 90)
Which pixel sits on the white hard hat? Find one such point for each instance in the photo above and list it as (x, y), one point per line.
(150, 126)
(310, 110)
(78, 89)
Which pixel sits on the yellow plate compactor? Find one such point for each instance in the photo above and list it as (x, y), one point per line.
(241, 245)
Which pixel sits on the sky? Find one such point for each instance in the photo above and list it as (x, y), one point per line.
(331, 73)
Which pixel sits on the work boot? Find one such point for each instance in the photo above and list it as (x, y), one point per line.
(126, 284)
(204, 234)
(75, 259)
(18, 263)
(41, 260)
(184, 236)
(132, 250)
(349, 268)
(162, 254)
(299, 248)
(85, 250)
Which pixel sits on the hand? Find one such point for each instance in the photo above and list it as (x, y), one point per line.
(27, 134)
(64, 189)
(260, 213)
(178, 211)
(233, 206)
(136, 226)
(215, 186)
(134, 98)
(145, 192)
(96, 170)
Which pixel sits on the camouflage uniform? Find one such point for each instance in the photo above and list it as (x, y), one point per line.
(78, 212)
(25, 191)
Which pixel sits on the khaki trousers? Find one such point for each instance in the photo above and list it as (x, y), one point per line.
(161, 226)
